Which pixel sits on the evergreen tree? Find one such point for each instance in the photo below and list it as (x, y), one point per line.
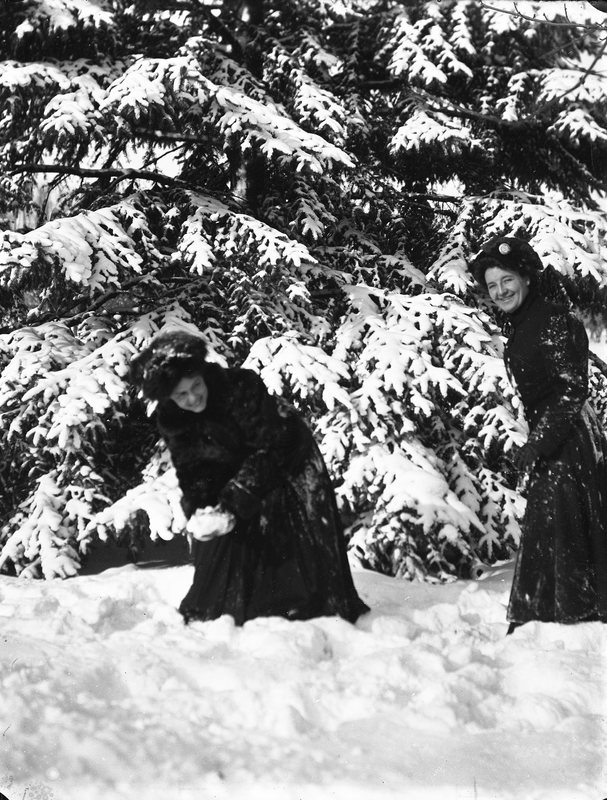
(303, 182)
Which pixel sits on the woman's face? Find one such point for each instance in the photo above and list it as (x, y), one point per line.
(506, 288)
(191, 394)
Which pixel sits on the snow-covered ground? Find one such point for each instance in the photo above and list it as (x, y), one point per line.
(106, 694)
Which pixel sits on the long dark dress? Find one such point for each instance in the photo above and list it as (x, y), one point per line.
(253, 454)
(561, 567)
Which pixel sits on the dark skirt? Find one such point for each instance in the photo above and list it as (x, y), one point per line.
(290, 560)
(561, 566)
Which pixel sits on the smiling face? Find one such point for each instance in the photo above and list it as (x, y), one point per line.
(506, 288)
(191, 394)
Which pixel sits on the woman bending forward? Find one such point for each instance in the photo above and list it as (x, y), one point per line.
(260, 504)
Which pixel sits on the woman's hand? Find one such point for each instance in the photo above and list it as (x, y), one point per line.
(210, 522)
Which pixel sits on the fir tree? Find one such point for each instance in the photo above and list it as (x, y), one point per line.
(304, 183)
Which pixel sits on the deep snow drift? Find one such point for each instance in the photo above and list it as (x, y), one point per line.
(106, 694)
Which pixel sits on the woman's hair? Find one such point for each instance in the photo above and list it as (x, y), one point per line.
(165, 361)
(516, 255)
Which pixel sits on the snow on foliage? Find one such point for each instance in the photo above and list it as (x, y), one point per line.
(425, 54)
(95, 248)
(560, 83)
(281, 184)
(306, 369)
(423, 128)
(14, 76)
(568, 238)
(380, 387)
(61, 15)
(43, 537)
(66, 392)
(153, 92)
(578, 125)
(450, 269)
(315, 107)
(158, 496)
(270, 246)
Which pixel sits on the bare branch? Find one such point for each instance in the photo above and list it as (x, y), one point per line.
(388, 83)
(458, 111)
(593, 26)
(170, 136)
(83, 298)
(434, 198)
(586, 73)
(125, 175)
(82, 172)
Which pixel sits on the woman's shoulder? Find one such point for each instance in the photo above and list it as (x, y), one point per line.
(562, 323)
(545, 307)
(227, 379)
(232, 390)
(561, 315)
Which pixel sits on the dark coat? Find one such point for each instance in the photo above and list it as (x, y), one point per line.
(253, 455)
(561, 569)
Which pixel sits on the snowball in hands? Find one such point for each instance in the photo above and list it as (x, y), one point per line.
(209, 522)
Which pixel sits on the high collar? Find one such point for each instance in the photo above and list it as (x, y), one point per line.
(524, 310)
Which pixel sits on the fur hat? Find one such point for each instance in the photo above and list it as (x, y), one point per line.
(508, 253)
(165, 361)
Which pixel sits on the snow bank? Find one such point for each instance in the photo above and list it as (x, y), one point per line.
(105, 693)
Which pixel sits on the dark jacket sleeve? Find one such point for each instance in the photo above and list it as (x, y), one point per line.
(271, 439)
(196, 477)
(564, 345)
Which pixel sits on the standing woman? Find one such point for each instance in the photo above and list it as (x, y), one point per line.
(255, 490)
(561, 566)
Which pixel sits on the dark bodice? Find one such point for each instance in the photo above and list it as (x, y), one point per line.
(244, 444)
(547, 356)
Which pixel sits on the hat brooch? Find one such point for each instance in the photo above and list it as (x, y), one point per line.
(504, 248)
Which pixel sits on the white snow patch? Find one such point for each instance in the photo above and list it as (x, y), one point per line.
(105, 693)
